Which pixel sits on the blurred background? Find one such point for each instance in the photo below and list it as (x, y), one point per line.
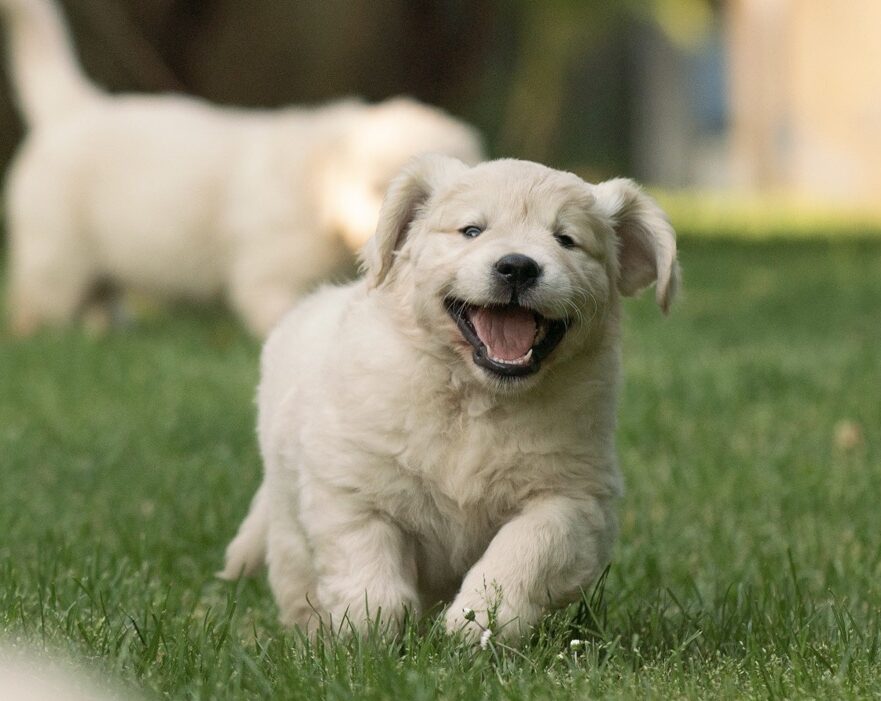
(780, 98)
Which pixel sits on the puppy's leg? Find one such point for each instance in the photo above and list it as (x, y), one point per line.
(538, 560)
(247, 552)
(366, 565)
(291, 573)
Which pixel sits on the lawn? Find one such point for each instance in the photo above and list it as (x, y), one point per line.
(749, 559)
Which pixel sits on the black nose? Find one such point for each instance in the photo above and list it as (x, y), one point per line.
(518, 271)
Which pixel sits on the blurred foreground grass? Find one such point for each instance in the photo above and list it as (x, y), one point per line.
(749, 560)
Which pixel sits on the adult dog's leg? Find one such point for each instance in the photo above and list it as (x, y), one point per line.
(272, 272)
(51, 272)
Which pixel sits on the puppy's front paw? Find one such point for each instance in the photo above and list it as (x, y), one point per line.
(466, 622)
(472, 616)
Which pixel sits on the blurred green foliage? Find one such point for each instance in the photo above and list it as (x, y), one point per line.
(551, 81)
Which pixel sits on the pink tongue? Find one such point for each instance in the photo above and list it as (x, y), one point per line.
(507, 333)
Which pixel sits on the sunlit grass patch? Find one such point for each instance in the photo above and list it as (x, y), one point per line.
(698, 214)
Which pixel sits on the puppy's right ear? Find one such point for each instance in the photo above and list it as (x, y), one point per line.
(404, 200)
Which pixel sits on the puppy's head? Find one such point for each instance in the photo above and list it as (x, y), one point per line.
(512, 265)
(378, 142)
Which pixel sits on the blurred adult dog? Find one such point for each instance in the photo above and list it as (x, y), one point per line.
(180, 198)
(443, 430)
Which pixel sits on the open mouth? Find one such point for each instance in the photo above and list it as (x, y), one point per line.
(508, 340)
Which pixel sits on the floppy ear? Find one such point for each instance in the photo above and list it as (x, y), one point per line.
(646, 241)
(404, 199)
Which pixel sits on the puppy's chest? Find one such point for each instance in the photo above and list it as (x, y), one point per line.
(460, 481)
(455, 522)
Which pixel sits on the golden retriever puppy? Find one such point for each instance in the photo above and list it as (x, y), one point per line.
(178, 198)
(443, 429)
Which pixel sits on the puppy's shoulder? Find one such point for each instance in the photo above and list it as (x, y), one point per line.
(311, 323)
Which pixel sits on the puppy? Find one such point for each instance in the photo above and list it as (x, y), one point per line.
(443, 429)
(174, 197)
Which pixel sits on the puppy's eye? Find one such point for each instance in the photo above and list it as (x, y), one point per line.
(471, 232)
(564, 240)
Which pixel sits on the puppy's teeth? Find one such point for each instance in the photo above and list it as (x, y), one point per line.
(523, 360)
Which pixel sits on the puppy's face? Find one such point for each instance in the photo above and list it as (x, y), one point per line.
(381, 142)
(518, 262)
(514, 266)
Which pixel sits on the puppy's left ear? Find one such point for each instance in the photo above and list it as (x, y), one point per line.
(404, 201)
(646, 241)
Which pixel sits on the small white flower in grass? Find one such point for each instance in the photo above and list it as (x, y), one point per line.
(468, 613)
(576, 644)
(484, 638)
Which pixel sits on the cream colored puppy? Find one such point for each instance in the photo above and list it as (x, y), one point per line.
(443, 430)
(178, 198)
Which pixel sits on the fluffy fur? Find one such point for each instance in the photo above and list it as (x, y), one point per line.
(400, 474)
(178, 198)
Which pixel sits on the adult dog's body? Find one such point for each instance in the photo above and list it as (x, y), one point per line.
(176, 197)
(447, 424)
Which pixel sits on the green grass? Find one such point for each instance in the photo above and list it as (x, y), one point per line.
(749, 560)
